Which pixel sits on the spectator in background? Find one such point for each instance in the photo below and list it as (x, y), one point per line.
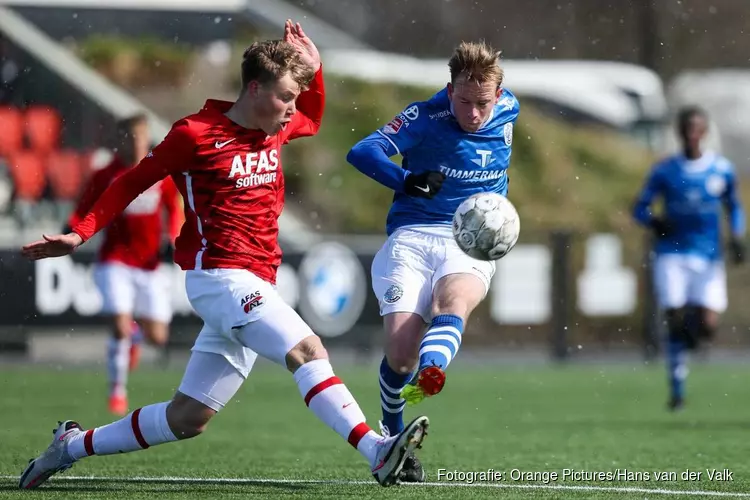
(127, 264)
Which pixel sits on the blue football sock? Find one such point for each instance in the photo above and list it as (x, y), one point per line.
(677, 366)
(441, 342)
(391, 384)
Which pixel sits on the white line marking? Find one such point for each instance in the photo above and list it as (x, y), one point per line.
(346, 482)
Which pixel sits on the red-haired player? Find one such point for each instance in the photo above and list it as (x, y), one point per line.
(226, 163)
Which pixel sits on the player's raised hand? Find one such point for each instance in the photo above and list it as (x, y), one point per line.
(52, 246)
(306, 49)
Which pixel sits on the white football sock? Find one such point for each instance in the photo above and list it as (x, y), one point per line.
(118, 359)
(139, 430)
(327, 396)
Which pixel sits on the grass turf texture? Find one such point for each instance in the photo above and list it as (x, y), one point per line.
(533, 419)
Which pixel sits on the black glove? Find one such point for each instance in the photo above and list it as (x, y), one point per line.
(660, 227)
(424, 185)
(166, 253)
(738, 250)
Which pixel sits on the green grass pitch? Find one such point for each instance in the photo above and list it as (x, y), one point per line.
(592, 419)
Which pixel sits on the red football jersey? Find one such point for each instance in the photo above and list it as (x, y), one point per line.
(231, 181)
(134, 237)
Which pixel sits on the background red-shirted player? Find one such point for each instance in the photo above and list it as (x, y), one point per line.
(226, 162)
(126, 271)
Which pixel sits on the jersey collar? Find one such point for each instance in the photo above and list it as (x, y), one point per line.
(218, 108)
(699, 164)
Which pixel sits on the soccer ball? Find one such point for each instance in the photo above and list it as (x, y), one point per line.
(486, 226)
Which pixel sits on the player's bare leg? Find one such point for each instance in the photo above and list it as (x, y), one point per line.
(404, 333)
(182, 418)
(156, 334)
(408, 347)
(208, 377)
(708, 322)
(212, 379)
(324, 393)
(455, 296)
(118, 363)
(136, 339)
(188, 418)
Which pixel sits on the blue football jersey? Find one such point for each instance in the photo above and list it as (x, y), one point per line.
(428, 137)
(694, 194)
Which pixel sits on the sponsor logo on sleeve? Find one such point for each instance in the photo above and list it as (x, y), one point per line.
(394, 126)
(508, 133)
(402, 120)
(411, 113)
(507, 103)
(440, 114)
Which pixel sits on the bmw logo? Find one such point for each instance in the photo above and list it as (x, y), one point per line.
(334, 289)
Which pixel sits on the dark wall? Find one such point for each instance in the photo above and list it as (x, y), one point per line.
(664, 35)
(186, 27)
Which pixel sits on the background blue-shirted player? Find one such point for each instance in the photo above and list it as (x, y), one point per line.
(689, 277)
(454, 145)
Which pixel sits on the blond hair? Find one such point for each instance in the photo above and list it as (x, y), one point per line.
(476, 61)
(270, 60)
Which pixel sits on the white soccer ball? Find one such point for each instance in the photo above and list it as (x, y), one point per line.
(486, 226)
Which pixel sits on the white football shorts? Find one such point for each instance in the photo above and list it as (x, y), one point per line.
(141, 293)
(681, 280)
(244, 316)
(210, 379)
(410, 263)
